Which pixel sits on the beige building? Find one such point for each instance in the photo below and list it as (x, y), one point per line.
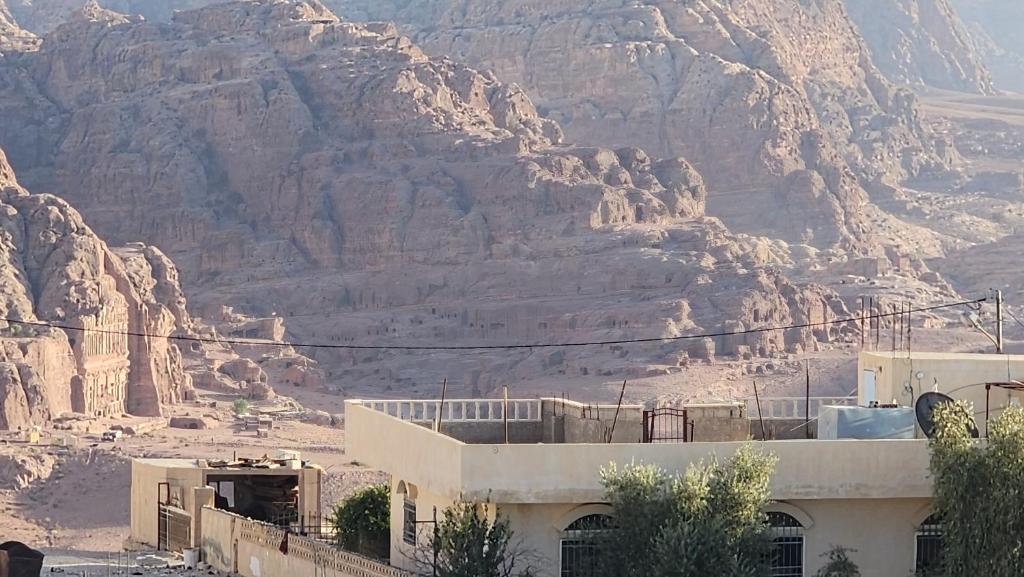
(168, 496)
(538, 463)
(868, 495)
(902, 377)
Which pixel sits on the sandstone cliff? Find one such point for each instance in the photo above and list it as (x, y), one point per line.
(334, 174)
(920, 42)
(54, 269)
(43, 16)
(995, 28)
(12, 35)
(776, 103)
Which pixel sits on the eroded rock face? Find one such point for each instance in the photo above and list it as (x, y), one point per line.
(920, 42)
(994, 26)
(53, 269)
(777, 104)
(43, 16)
(333, 174)
(12, 36)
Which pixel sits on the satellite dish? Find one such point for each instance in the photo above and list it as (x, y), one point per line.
(925, 409)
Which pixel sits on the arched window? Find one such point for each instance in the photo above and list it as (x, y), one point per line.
(579, 546)
(928, 546)
(788, 537)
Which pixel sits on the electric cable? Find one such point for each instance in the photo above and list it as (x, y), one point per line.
(186, 338)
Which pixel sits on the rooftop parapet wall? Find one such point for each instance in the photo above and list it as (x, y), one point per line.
(567, 421)
(560, 473)
(482, 421)
(403, 448)
(231, 543)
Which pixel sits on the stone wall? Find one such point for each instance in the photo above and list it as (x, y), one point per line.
(568, 421)
(253, 549)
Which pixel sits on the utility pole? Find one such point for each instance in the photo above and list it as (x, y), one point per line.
(807, 399)
(999, 322)
(504, 412)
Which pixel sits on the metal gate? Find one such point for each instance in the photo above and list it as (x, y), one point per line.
(175, 529)
(667, 425)
(174, 524)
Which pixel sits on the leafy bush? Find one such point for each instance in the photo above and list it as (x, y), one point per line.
(362, 523)
(241, 406)
(467, 544)
(977, 492)
(705, 523)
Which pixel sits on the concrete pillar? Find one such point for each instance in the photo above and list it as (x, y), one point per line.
(202, 497)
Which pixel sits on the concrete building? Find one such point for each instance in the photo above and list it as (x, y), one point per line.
(168, 496)
(902, 378)
(538, 463)
(869, 495)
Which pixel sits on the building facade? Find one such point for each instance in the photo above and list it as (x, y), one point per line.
(538, 463)
(168, 496)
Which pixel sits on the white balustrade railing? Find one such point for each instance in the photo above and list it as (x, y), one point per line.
(793, 407)
(459, 409)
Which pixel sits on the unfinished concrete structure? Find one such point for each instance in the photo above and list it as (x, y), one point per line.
(168, 496)
(902, 377)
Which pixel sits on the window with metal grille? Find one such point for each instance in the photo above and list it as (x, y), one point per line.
(580, 547)
(409, 522)
(788, 553)
(928, 547)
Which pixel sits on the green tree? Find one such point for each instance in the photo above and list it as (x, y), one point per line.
(707, 522)
(977, 492)
(241, 406)
(362, 523)
(839, 564)
(466, 543)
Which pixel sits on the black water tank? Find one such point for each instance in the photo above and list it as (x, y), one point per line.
(22, 560)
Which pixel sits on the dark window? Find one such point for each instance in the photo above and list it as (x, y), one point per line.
(579, 547)
(788, 554)
(409, 522)
(928, 550)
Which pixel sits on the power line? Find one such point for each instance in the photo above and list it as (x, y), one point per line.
(478, 347)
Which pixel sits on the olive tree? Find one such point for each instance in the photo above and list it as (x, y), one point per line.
(707, 522)
(978, 493)
(466, 542)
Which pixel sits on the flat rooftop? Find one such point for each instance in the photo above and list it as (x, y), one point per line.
(399, 437)
(257, 465)
(943, 356)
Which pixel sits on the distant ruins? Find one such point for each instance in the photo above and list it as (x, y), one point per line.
(53, 269)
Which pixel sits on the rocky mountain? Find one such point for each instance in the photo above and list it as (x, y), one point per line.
(995, 29)
(921, 43)
(54, 269)
(43, 16)
(777, 104)
(12, 36)
(333, 173)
